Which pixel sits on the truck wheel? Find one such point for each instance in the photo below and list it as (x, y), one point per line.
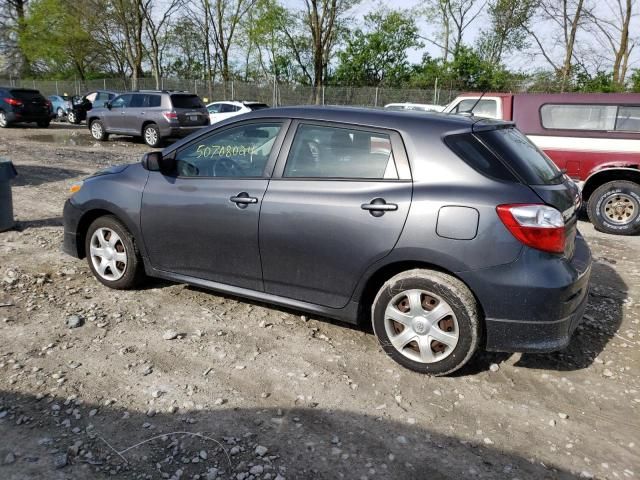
(151, 135)
(97, 131)
(615, 208)
(427, 321)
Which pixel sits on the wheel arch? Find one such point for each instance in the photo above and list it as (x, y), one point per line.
(144, 125)
(599, 178)
(374, 281)
(90, 120)
(92, 214)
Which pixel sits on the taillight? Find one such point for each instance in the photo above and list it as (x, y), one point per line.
(49, 104)
(537, 226)
(13, 102)
(170, 115)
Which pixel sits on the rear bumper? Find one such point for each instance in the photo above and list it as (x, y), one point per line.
(15, 117)
(180, 132)
(535, 303)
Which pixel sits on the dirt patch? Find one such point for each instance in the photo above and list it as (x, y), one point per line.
(270, 393)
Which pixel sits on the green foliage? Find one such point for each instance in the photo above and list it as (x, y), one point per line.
(635, 81)
(377, 54)
(600, 82)
(56, 39)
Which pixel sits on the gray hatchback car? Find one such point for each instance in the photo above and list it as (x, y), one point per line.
(446, 233)
(153, 115)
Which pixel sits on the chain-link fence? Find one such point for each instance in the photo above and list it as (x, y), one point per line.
(272, 93)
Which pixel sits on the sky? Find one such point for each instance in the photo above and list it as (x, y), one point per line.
(524, 61)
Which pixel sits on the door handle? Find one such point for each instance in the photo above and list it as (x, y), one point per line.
(242, 200)
(379, 206)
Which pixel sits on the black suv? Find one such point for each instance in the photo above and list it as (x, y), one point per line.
(81, 105)
(23, 105)
(151, 114)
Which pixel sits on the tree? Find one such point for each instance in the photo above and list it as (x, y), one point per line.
(57, 39)
(156, 28)
(12, 16)
(453, 18)
(322, 20)
(509, 20)
(612, 28)
(565, 16)
(635, 81)
(377, 55)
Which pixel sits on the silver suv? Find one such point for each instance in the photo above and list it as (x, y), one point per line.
(153, 115)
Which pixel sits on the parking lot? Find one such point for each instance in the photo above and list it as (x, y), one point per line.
(171, 381)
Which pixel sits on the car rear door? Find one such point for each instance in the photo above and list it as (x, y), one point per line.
(337, 203)
(202, 220)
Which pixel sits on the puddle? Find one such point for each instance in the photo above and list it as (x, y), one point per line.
(75, 139)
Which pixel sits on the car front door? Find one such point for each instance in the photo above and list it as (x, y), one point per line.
(202, 220)
(336, 204)
(114, 118)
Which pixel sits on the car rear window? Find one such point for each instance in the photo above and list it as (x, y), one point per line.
(257, 106)
(517, 151)
(478, 156)
(27, 95)
(186, 101)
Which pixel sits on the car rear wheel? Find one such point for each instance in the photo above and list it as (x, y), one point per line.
(427, 321)
(60, 113)
(112, 254)
(151, 135)
(4, 123)
(615, 208)
(72, 117)
(98, 132)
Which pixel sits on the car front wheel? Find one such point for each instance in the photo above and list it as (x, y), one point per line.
(427, 321)
(4, 123)
(151, 135)
(615, 208)
(112, 254)
(98, 132)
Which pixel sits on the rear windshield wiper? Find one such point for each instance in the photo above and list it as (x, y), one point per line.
(558, 175)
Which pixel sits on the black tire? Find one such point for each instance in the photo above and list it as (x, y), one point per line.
(59, 114)
(615, 208)
(4, 123)
(97, 131)
(72, 117)
(151, 135)
(133, 270)
(463, 321)
(44, 123)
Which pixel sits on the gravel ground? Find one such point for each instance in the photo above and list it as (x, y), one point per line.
(175, 382)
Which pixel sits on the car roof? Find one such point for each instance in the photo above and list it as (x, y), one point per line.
(367, 116)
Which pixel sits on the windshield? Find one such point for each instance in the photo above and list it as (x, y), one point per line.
(524, 157)
(186, 101)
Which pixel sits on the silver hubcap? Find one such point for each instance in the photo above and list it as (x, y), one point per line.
(96, 130)
(71, 117)
(421, 326)
(108, 254)
(151, 136)
(620, 208)
(60, 113)
(3, 119)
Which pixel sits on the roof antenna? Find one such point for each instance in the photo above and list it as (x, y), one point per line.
(470, 111)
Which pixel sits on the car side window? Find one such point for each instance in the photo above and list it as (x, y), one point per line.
(121, 101)
(152, 101)
(628, 119)
(214, 108)
(92, 96)
(227, 108)
(330, 152)
(137, 101)
(235, 152)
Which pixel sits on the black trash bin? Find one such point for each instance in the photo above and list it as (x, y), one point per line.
(7, 172)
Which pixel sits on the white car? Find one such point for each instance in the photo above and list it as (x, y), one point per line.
(219, 111)
(420, 107)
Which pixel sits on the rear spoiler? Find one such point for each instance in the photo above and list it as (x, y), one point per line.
(484, 124)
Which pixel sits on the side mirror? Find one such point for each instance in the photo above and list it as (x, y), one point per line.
(155, 162)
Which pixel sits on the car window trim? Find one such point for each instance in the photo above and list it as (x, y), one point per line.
(397, 150)
(584, 130)
(268, 168)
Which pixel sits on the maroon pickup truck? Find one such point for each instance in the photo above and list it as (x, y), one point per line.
(594, 137)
